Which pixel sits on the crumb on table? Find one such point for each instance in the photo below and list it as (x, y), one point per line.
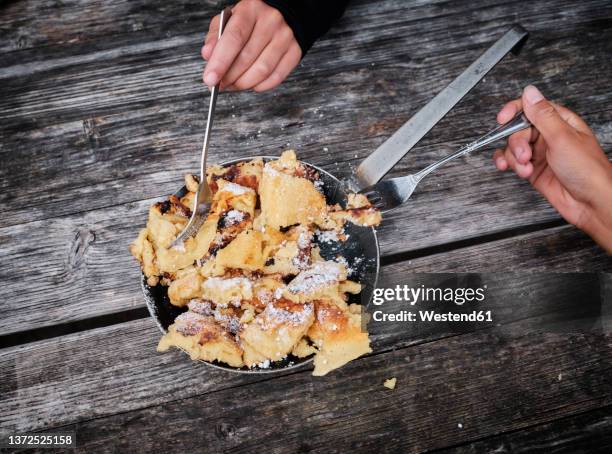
(390, 383)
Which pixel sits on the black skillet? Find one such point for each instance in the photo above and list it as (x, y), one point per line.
(360, 251)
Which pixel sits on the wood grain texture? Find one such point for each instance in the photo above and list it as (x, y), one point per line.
(48, 23)
(442, 397)
(102, 111)
(70, 268)
(116, 369)
(536, 251)
(78, 266)
(586, 432)
(104, 128)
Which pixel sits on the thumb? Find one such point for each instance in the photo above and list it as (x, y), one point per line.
(544, 116)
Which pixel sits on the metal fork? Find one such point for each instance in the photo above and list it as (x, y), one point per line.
(390, 194)
(203, 197)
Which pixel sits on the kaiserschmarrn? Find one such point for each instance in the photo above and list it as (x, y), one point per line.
(252, 281)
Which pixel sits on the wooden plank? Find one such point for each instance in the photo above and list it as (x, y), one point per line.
(442, 397)
(105, 162)
(101, 177)
(88, 159)
(115, 369)
(536, 251)
(70, 268)
(34, 28)
(47, 23)
(76, 267)
(585, 432)
(168, 70)
(96, 135)
(96, 371)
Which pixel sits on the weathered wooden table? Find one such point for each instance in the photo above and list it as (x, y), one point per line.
(102, 112)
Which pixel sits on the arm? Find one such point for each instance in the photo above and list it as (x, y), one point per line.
(562, 159)
(264, 41)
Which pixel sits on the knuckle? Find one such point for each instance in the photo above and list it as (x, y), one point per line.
(236, 33)
(276, 77)
(240, 84)
(250, 5)
(285, 33)
(275, 16)
(262, 68)
(246, 55)
(547, 110)
(241, 5)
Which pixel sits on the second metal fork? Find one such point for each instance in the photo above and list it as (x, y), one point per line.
(389, 194)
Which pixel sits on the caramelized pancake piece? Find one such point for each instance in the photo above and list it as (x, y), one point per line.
(265, 290)
(358, 210)
(290, 255)
(321, 280)
(223, 292)
(245, 252)
(142, 249)
(274, 332)
(173, 259)
(185, 288)
(303, 349)
(338, 336)
(287, 199)
(244, 173)
(232, 196)
(202, 338)
(161, 230)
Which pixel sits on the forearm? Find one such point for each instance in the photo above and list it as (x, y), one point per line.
(309, 19)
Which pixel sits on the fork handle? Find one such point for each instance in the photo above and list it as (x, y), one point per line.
(214, 91)
(518, 123)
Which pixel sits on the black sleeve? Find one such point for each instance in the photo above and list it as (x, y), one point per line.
(309, 19)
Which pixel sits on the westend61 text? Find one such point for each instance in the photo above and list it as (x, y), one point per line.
(431, 316)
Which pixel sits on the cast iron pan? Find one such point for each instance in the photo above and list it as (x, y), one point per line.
(360, 251)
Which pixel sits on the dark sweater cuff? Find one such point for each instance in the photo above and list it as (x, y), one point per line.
(309, 19)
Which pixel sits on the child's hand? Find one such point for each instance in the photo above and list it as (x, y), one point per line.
(257, 49)
(561, 158)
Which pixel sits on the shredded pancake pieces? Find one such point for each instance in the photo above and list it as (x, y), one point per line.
(252, 281)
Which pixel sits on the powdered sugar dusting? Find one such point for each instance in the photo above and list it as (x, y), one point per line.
(264, 296)
(235, 189)
(273, 315)
(219, 283)
(264, 365)
(278, 293)
(231, 322)
(304, 239)
(268, 169)
(350, 269)
(234, 217)
(319, 275)
(189, 323)
(200, 307)
(327, 236)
